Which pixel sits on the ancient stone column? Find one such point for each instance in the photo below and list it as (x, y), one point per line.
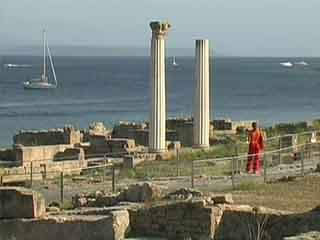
(201, 111)
(157, 127)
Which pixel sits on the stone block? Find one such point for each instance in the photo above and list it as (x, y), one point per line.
(67, 227)
(21, 203)
(223, 199)
(142, 192)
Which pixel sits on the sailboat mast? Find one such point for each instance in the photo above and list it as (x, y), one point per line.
(44, 54)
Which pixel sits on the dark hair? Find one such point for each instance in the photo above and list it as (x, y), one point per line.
(254, 124)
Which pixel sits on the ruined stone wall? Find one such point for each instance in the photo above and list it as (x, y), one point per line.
(185, 220)
(39, 154)
(7, 155)
(130, 161)
(43, 171)
(141, 137)
(68, 135)
(222, 124)
(103, 144)
(185, 134)
(240, 222)
(242, 124)
(67, 227)
(176, 122)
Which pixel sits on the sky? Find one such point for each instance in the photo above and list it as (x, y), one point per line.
(234, 27)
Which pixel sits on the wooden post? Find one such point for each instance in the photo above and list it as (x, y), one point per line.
(104, 172)
(279, 150)
(192, 173)
(302, 162)
(31, 174)
(61, 187)
(178, 163)
(238, 166)
(113, 179)
(265, 168)
(232, 172)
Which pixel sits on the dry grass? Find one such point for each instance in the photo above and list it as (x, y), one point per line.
(299, 195)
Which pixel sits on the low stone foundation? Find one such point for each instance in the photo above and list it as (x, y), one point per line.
(183, 220)
(198, 220)
(199, 217)
(67, 227)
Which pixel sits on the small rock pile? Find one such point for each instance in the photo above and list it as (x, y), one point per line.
(134, 193)
(187, 194)
(184, 194)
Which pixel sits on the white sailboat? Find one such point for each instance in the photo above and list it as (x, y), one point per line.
(174, 62)
(286, 64)
(43, 82)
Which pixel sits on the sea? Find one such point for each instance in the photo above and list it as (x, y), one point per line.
(113, 89)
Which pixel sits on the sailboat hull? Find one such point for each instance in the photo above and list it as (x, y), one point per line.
(38, 85)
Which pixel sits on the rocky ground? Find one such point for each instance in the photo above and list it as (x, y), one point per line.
(294, 193)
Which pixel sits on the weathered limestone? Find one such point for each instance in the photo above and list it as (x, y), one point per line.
(141, 192)
(67, 135)
(157, 126)
(67, 227)
(20, 203)
(201, 105)
(38, 154)
(180, 220)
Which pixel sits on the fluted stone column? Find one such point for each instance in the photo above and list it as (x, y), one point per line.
(157, 128)
(201, 111)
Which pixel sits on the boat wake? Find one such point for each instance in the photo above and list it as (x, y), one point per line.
(302, 63)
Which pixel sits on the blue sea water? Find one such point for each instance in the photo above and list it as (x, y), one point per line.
(110, 89)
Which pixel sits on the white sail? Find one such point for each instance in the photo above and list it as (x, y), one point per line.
(52, 67)
(174, 61)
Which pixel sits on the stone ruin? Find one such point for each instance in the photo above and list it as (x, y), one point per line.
(67, 135)
(156, 213)
(23, 216)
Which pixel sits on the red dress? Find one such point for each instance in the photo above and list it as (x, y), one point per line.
(256, 147)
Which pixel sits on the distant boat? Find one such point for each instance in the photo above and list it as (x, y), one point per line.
(302, 63)
(174, 62)
(43, 82)
(286, 64)
(11, 65)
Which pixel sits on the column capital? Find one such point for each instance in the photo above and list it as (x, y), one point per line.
(159, 30)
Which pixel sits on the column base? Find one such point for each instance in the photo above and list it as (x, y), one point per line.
(202, 146)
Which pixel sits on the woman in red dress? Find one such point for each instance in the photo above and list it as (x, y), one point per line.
(256, 147)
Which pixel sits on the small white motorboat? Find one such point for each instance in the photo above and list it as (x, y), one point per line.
(286, 64)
